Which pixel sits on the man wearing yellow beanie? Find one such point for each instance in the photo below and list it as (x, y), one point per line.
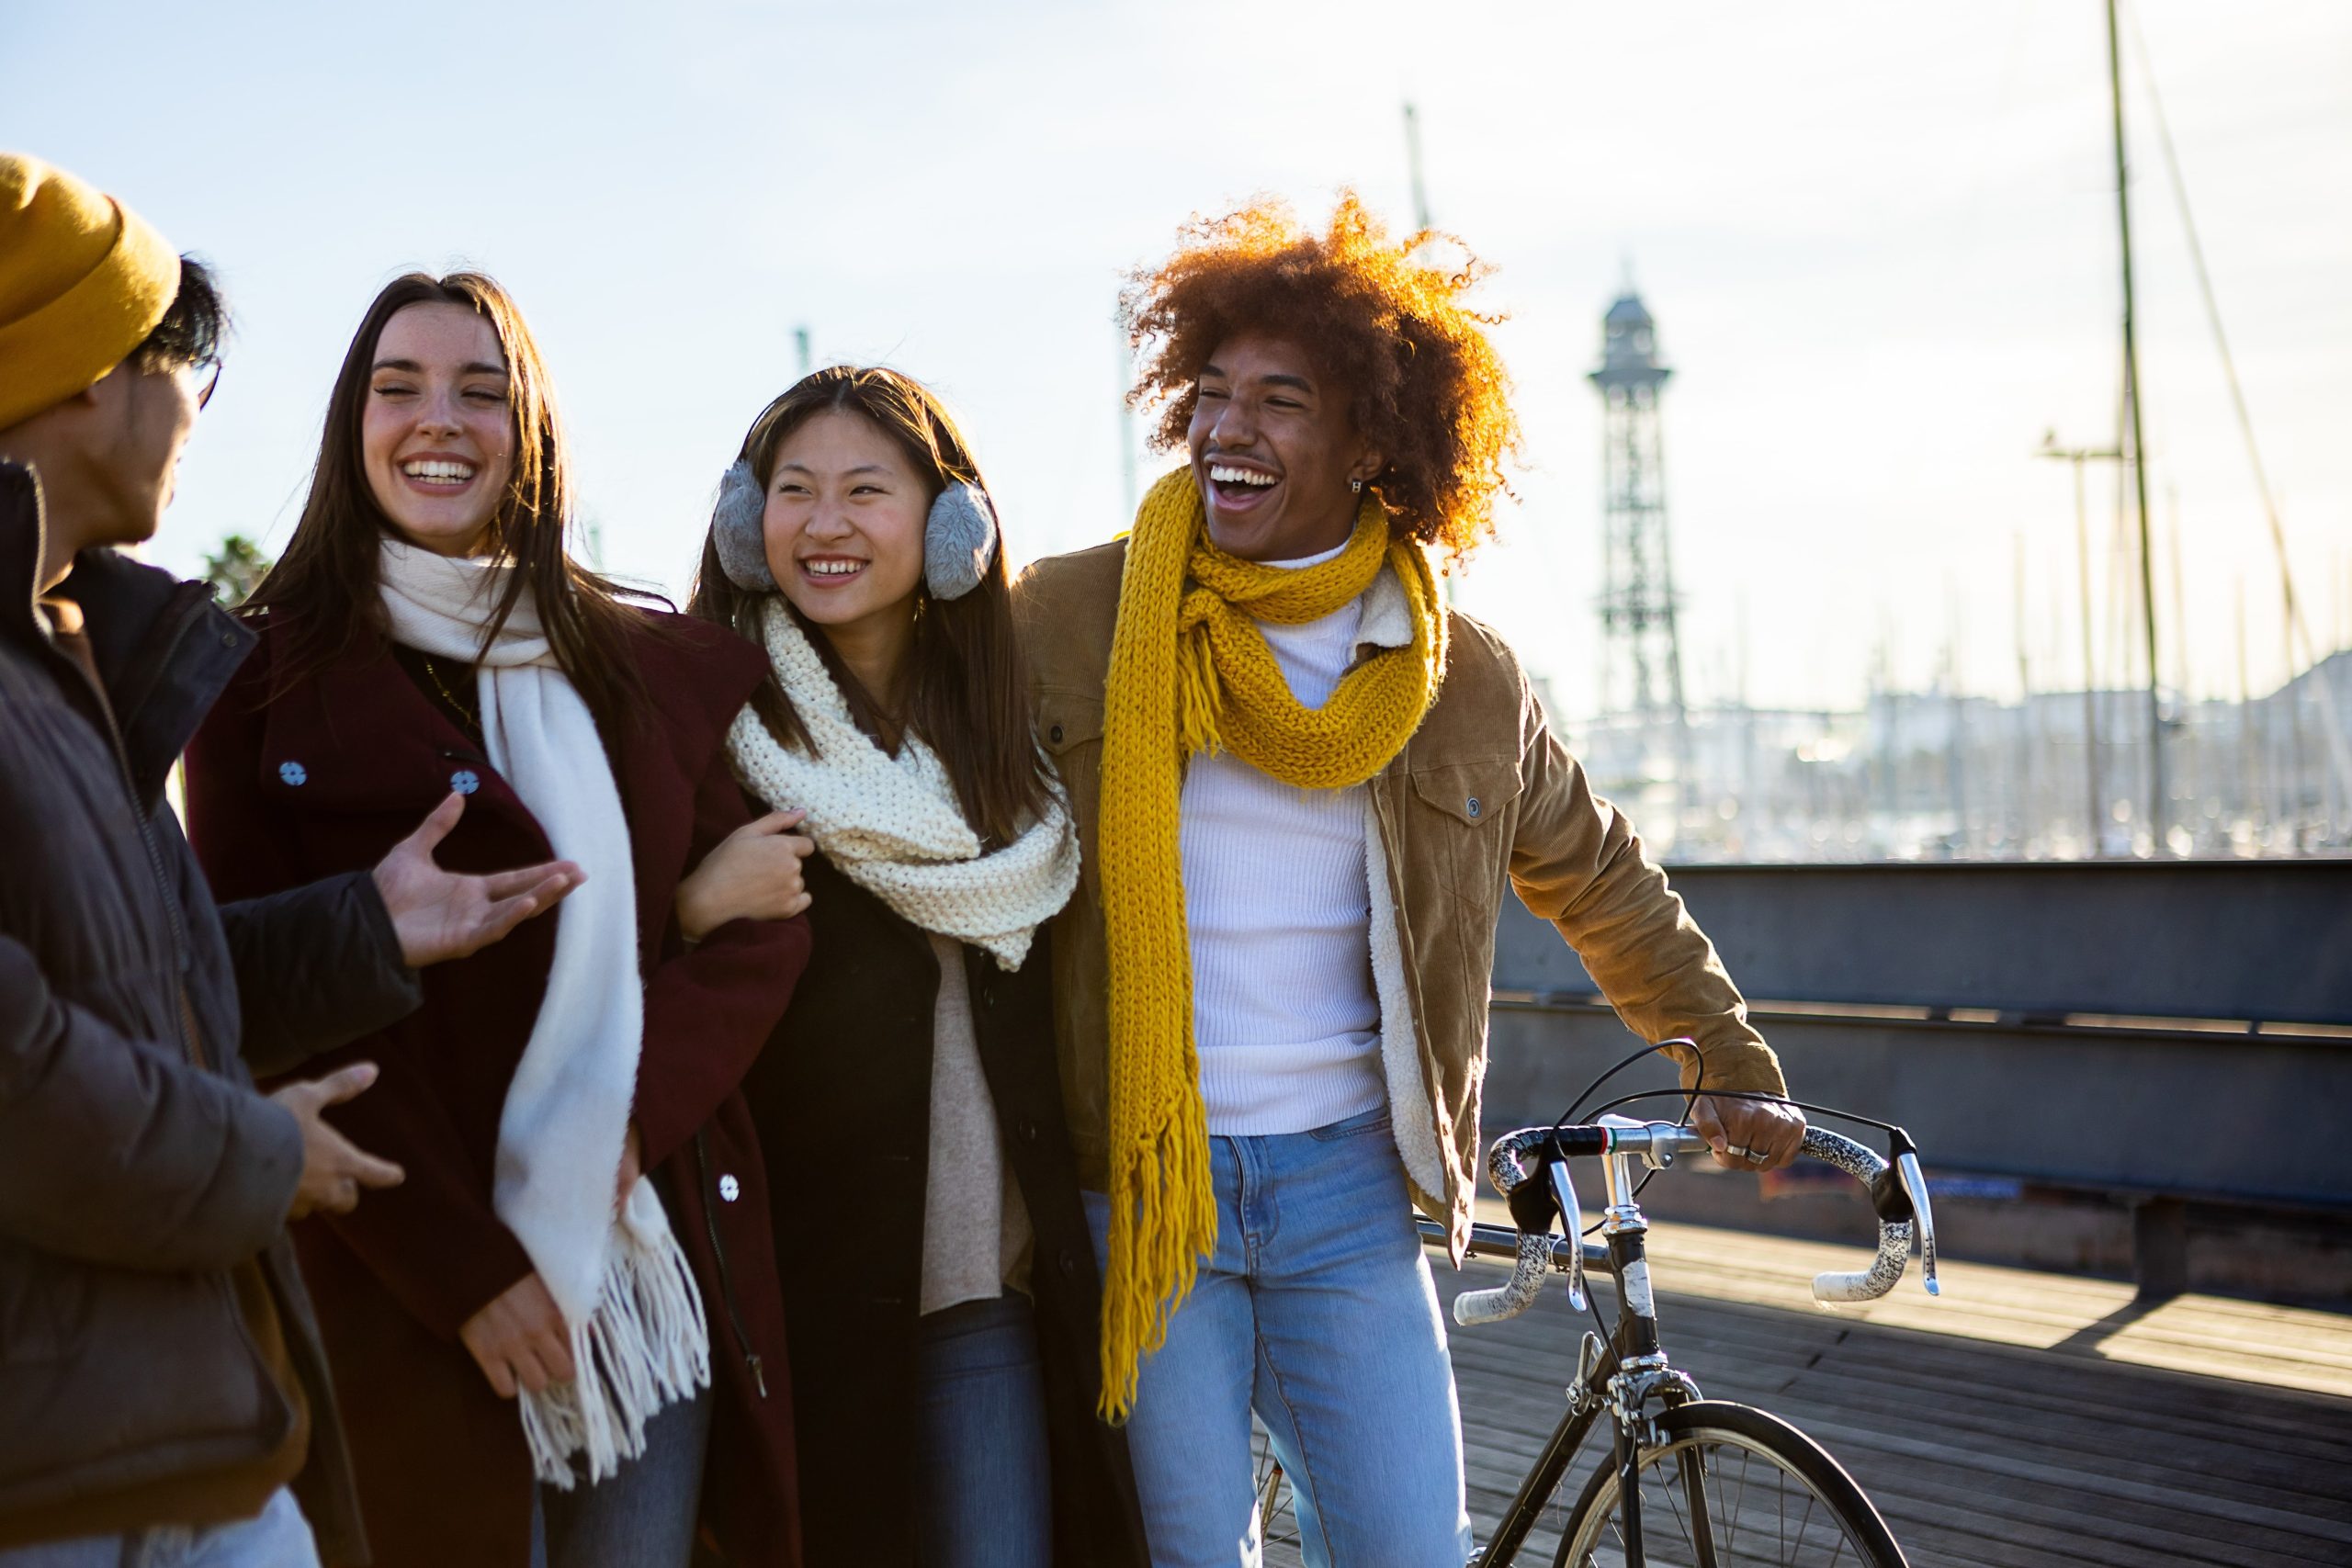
(105, 334)
(165, 1385)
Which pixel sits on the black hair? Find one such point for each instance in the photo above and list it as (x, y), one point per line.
(194, 330)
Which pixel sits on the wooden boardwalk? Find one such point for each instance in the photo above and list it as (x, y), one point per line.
(2022, 1420)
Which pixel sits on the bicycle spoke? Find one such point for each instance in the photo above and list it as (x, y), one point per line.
(1741, 1497)
(1682, 1462)
(1693, 1475)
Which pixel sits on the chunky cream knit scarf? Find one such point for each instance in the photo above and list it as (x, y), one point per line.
(892, 824)
(638, 1337)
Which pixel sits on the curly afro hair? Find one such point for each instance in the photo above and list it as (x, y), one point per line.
(1429, 390)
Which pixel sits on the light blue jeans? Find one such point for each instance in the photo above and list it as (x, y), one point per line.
(642, 1517)
(1318, 1313)
(277, 1537)
(987, 1489)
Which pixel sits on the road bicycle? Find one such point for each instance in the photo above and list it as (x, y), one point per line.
(1688, 1481)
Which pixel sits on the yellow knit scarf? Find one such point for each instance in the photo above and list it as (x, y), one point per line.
(1190, 671)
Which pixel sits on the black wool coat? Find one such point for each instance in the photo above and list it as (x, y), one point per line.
(841, 1100)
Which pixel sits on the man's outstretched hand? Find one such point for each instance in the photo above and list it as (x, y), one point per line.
(443, 914)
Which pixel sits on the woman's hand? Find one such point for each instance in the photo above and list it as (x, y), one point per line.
(753, 875)
(519, 1339)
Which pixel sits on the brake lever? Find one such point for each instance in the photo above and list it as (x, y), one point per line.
(1572, 1223)
(1914, 1187)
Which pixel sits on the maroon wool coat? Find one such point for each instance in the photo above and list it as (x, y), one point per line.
(327, 778)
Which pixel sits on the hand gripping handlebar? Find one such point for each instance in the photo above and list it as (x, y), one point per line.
(1899, 1192)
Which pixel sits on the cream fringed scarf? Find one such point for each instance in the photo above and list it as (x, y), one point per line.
(1190, 671)
(892, 824)
(639, 1337)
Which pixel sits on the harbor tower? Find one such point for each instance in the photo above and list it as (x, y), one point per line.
(1641, 653)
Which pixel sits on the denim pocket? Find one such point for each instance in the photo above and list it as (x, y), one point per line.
(1356, 1126)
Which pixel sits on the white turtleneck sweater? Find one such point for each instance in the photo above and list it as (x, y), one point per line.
(1277, 906)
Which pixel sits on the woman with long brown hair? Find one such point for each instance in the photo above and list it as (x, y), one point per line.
(944, 1376)
(526, 1342)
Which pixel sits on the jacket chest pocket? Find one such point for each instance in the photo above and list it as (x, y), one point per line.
(1069, 726)
(1462, 814)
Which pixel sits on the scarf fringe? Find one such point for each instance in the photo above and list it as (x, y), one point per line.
(1200, 697)
(1154, 1261)
(647, 1346)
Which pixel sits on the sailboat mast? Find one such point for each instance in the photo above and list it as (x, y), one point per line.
(1413, 160)
(2138, 454)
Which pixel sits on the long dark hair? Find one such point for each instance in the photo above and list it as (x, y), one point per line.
(965, 691)
(325, 588)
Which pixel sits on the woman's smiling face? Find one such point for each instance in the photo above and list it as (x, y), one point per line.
(436, 437)
(845, 520)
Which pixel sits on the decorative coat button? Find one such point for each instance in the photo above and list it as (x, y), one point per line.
(1473, 806)
(729, 1189)
(465, 781)
(293, 773)
(1054, 735)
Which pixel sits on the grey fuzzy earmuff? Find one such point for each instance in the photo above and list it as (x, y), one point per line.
(958, 540)
(959, 536)
(738, 528)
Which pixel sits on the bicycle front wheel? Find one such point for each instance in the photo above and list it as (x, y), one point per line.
(1731, 1486)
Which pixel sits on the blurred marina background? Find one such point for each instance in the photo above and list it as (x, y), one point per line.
(1877, 247)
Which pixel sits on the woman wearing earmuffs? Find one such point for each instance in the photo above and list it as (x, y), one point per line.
(940, 1290)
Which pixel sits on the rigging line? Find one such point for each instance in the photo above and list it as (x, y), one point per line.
(2299, 630)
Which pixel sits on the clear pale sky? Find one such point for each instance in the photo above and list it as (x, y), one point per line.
(1878, 241)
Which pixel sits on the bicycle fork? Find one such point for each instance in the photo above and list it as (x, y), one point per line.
(1642, 1373)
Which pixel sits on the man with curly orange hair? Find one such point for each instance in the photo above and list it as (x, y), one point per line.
(1304, 787)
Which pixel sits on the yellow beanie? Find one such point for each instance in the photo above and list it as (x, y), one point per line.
(83, 281)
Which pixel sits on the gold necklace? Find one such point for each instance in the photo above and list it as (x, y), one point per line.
(447, 695)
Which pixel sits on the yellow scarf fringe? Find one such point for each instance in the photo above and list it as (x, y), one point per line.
(1190, 673)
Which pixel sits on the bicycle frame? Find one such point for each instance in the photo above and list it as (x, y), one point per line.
(1622, 1378)
(1627, 1374)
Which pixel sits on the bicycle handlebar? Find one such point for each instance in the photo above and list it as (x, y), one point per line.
(1899, 1192)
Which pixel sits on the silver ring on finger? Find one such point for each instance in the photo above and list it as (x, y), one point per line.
(1744, 1152)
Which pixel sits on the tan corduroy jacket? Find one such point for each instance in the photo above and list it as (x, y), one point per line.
(1483, 800)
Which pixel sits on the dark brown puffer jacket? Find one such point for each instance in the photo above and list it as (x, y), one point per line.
(137, 1167)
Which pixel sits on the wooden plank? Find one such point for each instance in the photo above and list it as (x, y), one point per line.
(2047, 1422)
(2277, 1346)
